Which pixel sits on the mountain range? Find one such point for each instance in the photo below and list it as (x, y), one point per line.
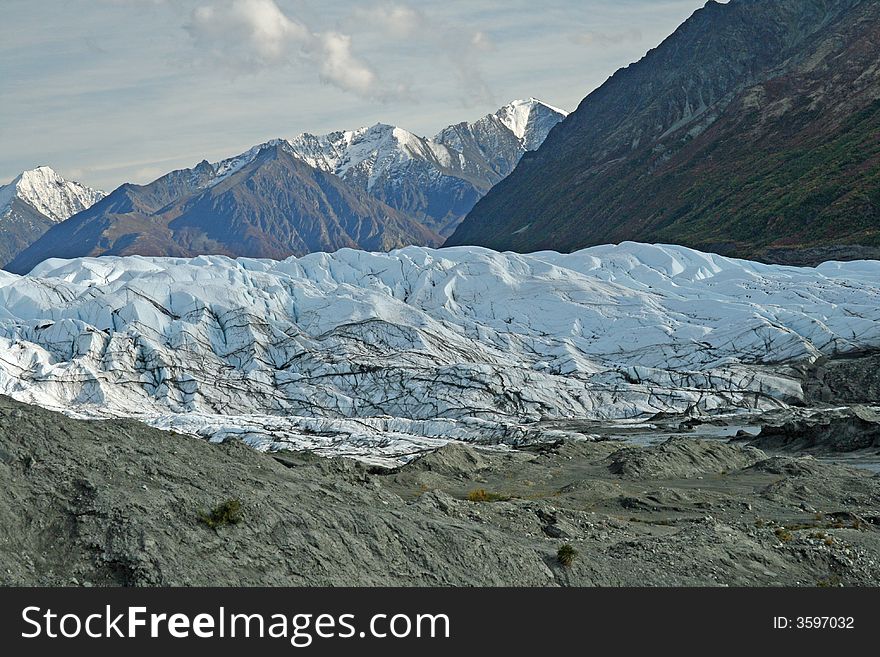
(376, 188)
(34, 202)
(751, 131)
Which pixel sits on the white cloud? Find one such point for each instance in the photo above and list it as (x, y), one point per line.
(250, 34)
(458, 44)
(256, 28)
(340, 67)
(399, 20)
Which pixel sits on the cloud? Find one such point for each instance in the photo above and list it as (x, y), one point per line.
(398, 20)
(251, 34)
(598, 38)
(459, 45)
(257, 29)
(340, 67)
(148, 174)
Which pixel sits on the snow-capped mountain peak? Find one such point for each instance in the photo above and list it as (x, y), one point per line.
(383, 152)
(48, 193)
(521, 116)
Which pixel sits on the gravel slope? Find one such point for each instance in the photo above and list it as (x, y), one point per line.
(118, 503)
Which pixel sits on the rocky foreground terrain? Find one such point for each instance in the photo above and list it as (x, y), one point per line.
(98, 503)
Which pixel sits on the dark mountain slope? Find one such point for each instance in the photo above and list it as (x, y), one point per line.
(20, 226)
(751, 131)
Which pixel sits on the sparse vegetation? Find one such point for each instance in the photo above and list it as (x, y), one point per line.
(566, 555)
(784, 535)
(227, 513)
(663, 522)
(482, 495)
(832, 581)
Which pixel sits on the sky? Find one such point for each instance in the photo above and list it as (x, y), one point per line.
(113, 91)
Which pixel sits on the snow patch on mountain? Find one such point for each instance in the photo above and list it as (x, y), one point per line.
(233, 165)
(369, 153)
(500, 139)
(530, 120)
(47, 192)
(366, 154)
(381, 355)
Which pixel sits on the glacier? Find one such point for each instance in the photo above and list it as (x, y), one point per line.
(383, 355)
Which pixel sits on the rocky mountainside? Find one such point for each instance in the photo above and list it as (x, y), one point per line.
(271, 206)
(437, 180)
(34, 202)
(500, 139)
(750, 131)
(383, 355)
(416, 175)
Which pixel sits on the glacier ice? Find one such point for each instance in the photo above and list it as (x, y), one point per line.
(380, 355)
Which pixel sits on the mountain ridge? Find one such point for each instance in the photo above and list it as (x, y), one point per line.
(670, 150)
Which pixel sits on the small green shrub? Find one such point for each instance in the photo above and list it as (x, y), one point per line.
(566, 555)
(227, 513)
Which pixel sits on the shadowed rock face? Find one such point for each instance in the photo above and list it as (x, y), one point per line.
(850, 430)
(20, 226)
(118, 503)
(751, 131)
(853, 379)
